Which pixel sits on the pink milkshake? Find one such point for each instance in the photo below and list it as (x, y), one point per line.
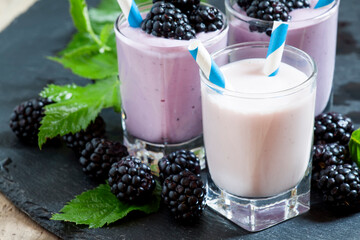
(258, 147)
(258, 136)
(311, 30)
(160, 86)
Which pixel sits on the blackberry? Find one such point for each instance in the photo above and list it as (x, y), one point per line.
(165, 20)
(340, 185)
(26, 117)
(296, 4)
(325, 155)
(244, 4)
(206, 19)
(131, 180)
(98, 155)
(178, 161)
(186, 6)
(184, 194)
(77, 141)
(332, 127)
(269, 10)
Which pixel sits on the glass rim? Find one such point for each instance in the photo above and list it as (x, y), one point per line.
(275, 94)
(246, 18)
(145, 5)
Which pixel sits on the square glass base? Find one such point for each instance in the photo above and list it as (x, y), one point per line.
(256, 214)
(151, 153)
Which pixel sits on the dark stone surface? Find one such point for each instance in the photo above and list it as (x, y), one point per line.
(41, 182)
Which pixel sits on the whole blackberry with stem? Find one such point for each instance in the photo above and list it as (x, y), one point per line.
(206, 19)
(77, 141)
(340, 185)
(131, 180)
(325, 155)
(178, 161)
(184, 194)
(98, 155)
(165, 20)
(332, 127)
(26, 118)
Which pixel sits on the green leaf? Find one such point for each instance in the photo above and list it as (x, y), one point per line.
(89, 62)
(80, 15)
(75, 107)
(79, 40)
(354, 146)
(106, 32)
(99, 206)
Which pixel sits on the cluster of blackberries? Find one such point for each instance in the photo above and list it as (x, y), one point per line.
(130, 179)
(181, 19)
(334, 173)
(270, 10)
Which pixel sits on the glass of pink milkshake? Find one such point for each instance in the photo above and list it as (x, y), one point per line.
(258, 135)
(160, 89)
(311, 30)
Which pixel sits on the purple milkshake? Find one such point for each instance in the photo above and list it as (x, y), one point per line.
(160, 84)
(311, 30)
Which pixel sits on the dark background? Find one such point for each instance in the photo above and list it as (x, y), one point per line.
(41, 182)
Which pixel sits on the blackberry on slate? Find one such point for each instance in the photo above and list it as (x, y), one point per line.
(184, 194)
(165, 20)
(77, 141)
(332, 127)
(340, 185)
(131, 180)
(186, 6)
(178, 161)
(269, 10)
(206, 19)
(98, 155)
(26, 117)
(325, 155)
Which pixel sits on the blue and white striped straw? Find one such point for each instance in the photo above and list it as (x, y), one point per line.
(276, 48)
(131, 12)
(322, 3)
(206, 63)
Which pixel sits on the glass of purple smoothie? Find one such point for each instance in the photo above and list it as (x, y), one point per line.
(160, 89)
(311, 30)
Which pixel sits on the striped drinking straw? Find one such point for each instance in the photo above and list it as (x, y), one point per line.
(322, 3)
(206, 63)
(131, 12)
(276, 48)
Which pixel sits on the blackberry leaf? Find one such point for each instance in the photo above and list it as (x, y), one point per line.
(75, 107)
(80, 15)
(354, 146)
(90, 62)
(99, 206)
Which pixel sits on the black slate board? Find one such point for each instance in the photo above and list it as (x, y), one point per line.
(41, 182)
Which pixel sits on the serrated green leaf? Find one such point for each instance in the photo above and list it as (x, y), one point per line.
(89, 62)
(354, 146)
(99, 206)
(78, 40)
(75, 107)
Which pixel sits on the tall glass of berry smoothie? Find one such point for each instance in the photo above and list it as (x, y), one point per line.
(258, 136)
(311, 30)
(160, 86)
